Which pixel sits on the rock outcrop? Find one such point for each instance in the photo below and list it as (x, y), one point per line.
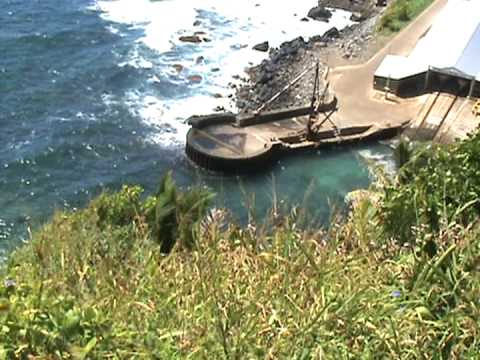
(264, 46)
(320, 13)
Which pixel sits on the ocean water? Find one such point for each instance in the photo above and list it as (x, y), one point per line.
(92, 98)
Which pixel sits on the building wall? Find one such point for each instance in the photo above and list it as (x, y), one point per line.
(476, 90)
(449, 84)
(415, 85)
(380, 83)
(410, 86)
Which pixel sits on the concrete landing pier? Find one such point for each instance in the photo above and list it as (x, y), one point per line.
(230, 143)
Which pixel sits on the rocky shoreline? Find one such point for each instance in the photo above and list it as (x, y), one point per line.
(292, 57)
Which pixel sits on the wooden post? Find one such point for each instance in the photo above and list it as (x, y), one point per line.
(387, 87)
(311, 116)
(472, 87)
(427, 80)
(324, 93)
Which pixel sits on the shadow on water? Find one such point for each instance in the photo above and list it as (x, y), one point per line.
(315, 181)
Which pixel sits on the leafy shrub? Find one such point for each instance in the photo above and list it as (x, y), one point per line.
(178, 215)
(121, 208)
(438, 185)
(400, 12)
(172, 216)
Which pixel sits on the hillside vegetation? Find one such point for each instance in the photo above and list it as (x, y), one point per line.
(400, 13)
(398, 279)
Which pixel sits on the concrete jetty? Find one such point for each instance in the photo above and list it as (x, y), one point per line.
(245, 143)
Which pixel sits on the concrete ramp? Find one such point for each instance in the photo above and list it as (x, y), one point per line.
(438, 108)
(459, 123)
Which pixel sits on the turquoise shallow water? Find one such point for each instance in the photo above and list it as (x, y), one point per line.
(73, 122)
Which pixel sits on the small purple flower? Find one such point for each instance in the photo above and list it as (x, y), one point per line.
(396, 293)
(9, 283)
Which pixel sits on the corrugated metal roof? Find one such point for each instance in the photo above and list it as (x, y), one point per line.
(469, 62)
(399, 67)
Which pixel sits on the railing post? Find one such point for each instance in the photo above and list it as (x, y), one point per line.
(427, 80)
(472, 87)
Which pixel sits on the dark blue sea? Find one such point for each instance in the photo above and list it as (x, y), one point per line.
(92, 97)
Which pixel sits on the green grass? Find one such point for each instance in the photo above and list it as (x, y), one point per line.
(400, 13)
(95, 283)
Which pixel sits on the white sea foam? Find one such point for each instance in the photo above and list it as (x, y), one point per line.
(233, 28)
(383, 160)
(167, 130)
(160, 19)
(137, 61)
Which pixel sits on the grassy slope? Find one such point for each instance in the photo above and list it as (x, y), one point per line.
(86, 288)
(400, 13)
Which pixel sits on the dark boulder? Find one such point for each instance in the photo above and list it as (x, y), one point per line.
(178, 67)
(264, 46)
(287, 49)
(191, 39)
(292, 47)
(265, 78)
(195, 79)
(332, 33)
(316, 38)
(358, 17)
(320, 13)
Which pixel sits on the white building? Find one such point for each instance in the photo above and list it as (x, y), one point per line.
(446, 58)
